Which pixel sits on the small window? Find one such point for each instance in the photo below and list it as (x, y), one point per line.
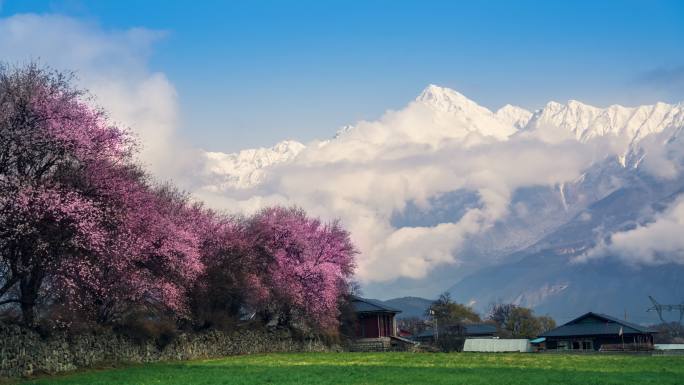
(575, 345)
(587, 345)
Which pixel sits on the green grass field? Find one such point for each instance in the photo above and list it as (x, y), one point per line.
(392, 368)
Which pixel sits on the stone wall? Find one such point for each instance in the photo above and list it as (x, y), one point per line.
(24, 352)
(381, 344)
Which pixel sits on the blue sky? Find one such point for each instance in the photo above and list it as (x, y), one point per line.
(250, 73)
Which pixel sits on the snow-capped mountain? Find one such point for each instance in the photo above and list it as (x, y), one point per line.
(496, 205)
(454, 110)
(456, 116)
(586, 122)
(246, 168)
(514, 116)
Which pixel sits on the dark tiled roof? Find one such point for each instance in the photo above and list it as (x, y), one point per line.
(366, 305)
(479, 329)
(600, 324)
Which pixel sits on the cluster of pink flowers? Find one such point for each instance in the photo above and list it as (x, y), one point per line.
(81, 224)
(312, 262)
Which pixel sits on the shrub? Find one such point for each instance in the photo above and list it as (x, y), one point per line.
(143, 327)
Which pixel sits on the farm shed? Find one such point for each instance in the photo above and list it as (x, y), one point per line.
(593, 332)
(669, 347)
(376, 327)
(375, 319)
(495, 345)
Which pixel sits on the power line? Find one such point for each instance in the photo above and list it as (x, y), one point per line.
(660, 308)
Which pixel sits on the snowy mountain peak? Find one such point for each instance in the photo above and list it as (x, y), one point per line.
(552, 105)
(513, 115)
(246, 168)
(585, 122)
(287, 148)
(572, 103)
(446, 99)
(434, 92)
(456, 116)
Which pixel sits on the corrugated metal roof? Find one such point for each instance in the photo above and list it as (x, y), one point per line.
(476, 329)
(367, 305)
(596, 324)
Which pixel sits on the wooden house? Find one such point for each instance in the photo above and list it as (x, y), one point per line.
(375, 319)
(376, 327)
(597, 332)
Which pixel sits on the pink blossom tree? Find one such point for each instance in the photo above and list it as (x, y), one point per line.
(77, 217)
(228, 288)
(310, 265)
(152, 256)
(48, 222)
(45, 232)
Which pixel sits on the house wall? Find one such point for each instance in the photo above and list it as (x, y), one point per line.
(387, 323)
(375, 325)
(368, 325)
(580, 342)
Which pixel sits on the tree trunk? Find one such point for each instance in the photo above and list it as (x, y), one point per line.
(28, 291)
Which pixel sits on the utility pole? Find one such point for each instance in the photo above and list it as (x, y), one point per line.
(434, 324)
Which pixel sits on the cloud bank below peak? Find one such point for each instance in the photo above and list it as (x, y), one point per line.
(657, 242)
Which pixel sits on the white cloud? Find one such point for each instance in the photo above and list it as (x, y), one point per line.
(665, 153)
(654, 243)
(112, 65)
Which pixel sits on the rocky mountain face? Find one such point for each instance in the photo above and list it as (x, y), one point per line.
(551, 248)
(547, 277)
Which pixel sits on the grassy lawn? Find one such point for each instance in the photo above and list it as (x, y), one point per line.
(392, 368)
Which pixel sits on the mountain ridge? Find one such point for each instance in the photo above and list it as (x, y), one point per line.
(410, 306)
(574, 118)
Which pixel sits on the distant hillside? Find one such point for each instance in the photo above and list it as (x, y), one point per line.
(409, 306)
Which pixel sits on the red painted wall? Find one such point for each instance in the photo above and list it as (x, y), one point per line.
(374, 326)
(369, 327)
